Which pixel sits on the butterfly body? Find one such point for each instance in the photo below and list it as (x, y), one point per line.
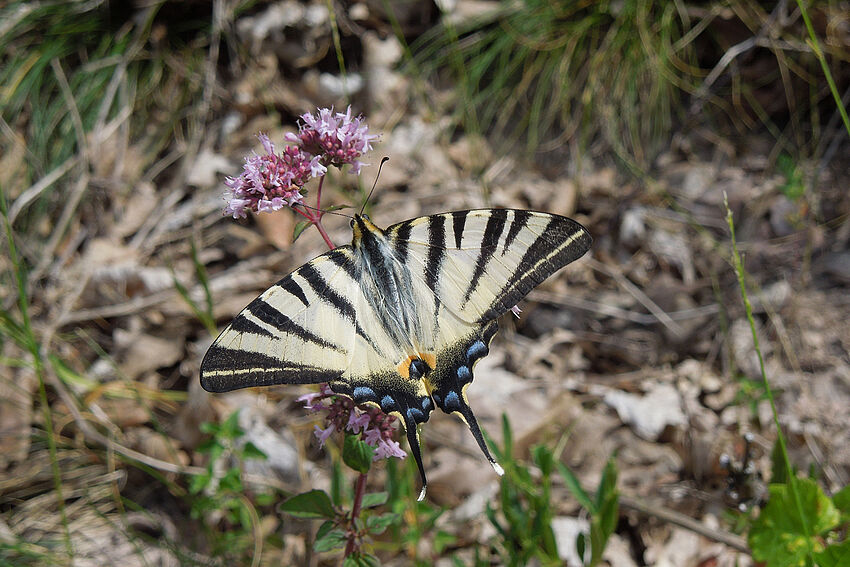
(399, 317)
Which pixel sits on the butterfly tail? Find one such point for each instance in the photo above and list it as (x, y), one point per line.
(453, 375)
(413, 441)
(466, 412)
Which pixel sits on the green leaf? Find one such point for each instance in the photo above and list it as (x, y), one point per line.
(361, 560)
(373, 499)
(581, 545)
(836, 555)
(491, 515)
(841, 499)
(328, 538)
(312, 504)
(264, 498)
(542, 457)
(574, 486)
(299, 228)
(443, 539)
(230, 427)
(608, 503)
(357, 454)
(231, 481)
(507, 437)
(778, 537)
(332, 541)
(377, 524)
(608, 483)
(199, 482)
(778, 473)
(245, 519)
(251, 451)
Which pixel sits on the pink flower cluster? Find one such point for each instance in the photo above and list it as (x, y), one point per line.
(336, 138)
(275, 180)
(375, 427)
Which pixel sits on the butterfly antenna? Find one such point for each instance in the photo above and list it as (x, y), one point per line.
(323, 211)
(383, 160)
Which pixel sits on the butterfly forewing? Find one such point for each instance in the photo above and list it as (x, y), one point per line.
(301, 330)
(480, 263)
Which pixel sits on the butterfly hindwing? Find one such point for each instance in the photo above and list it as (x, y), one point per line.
(453, 374)
(468, 268)
(312, 326)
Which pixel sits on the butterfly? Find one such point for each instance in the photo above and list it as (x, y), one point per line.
(398, 318)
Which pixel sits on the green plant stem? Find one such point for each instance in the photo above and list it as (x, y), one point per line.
(33, 346)
(739, 269)
(815, 44)
(359, 490)
(340, 58)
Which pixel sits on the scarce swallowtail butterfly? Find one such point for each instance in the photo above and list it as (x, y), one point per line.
(399, 317)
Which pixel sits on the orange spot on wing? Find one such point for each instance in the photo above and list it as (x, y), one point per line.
(404, 368)
(429, 359)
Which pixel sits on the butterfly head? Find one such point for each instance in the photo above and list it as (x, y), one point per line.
(363, 228)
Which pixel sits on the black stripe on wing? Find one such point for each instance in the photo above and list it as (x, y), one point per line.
(458, 224)
(436, 253)
(492, 234)
(401, 237)
(267, 314)
(225, 369)
(344, 261)
(328, 294)
(517, 224)
(561, 242)
(291, 286)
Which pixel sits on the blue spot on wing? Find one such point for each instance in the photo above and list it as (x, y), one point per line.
(415, 414)
(464, 374)
(387, 403)
(452, 401)
(476, 350)
(364, 393)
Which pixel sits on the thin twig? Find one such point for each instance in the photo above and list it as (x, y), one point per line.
(619, 312)
(638, 294)
(36, 189)
(683, 521)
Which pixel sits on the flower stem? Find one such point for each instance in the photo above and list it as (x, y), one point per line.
(319, 196)
(359, 490)
(318, 223)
